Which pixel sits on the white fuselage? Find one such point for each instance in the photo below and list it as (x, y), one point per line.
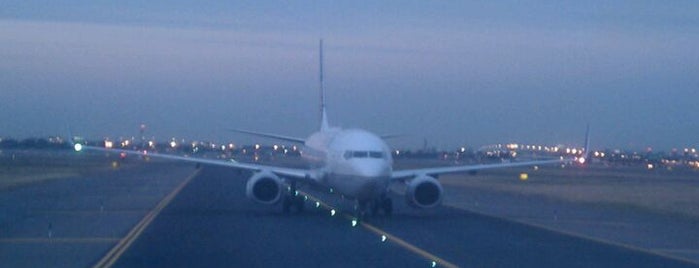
(355, 162)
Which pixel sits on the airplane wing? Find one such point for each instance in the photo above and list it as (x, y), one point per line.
(410, 173)
(291, 173)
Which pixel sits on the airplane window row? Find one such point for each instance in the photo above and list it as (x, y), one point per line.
(363, 154)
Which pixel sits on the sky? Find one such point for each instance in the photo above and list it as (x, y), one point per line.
(453, 73)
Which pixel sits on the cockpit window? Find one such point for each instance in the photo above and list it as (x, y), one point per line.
(360, 154)
(363, 154)
(376, 154)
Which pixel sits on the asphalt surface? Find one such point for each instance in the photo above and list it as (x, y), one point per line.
(661, 232)
(210, 223)
(73, 221)
(162, 214)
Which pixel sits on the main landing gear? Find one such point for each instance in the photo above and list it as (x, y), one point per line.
(292, 200)
(374, 207)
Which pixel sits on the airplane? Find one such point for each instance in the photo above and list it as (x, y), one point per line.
(352, 162)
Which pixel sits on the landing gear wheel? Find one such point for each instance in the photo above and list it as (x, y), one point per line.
(286, 204)
(292, 199)
(299, 203)
(387, 206)
(363, 210)
(290, 202)
(375, 206)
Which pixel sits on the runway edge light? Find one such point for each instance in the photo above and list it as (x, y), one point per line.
(523, 176)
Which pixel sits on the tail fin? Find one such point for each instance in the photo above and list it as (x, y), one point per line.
(585, 157)
(323, 116)
(587, 141)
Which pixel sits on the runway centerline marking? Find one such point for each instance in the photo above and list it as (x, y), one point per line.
(115, 253)
(385, 235)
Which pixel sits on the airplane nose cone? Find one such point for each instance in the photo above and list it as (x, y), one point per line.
(373, 169)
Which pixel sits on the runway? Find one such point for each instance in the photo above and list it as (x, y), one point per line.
(73, 221)
(211, 223)
(162, 214)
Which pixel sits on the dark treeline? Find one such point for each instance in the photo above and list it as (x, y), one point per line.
(32, 143)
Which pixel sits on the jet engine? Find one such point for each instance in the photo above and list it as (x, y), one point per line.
(424, 192)
(264, 187)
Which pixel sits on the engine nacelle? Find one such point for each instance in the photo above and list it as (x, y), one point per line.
(264, 187)
(424, 192)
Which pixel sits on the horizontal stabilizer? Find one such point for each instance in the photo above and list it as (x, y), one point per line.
(391, 136)
(269, 135)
